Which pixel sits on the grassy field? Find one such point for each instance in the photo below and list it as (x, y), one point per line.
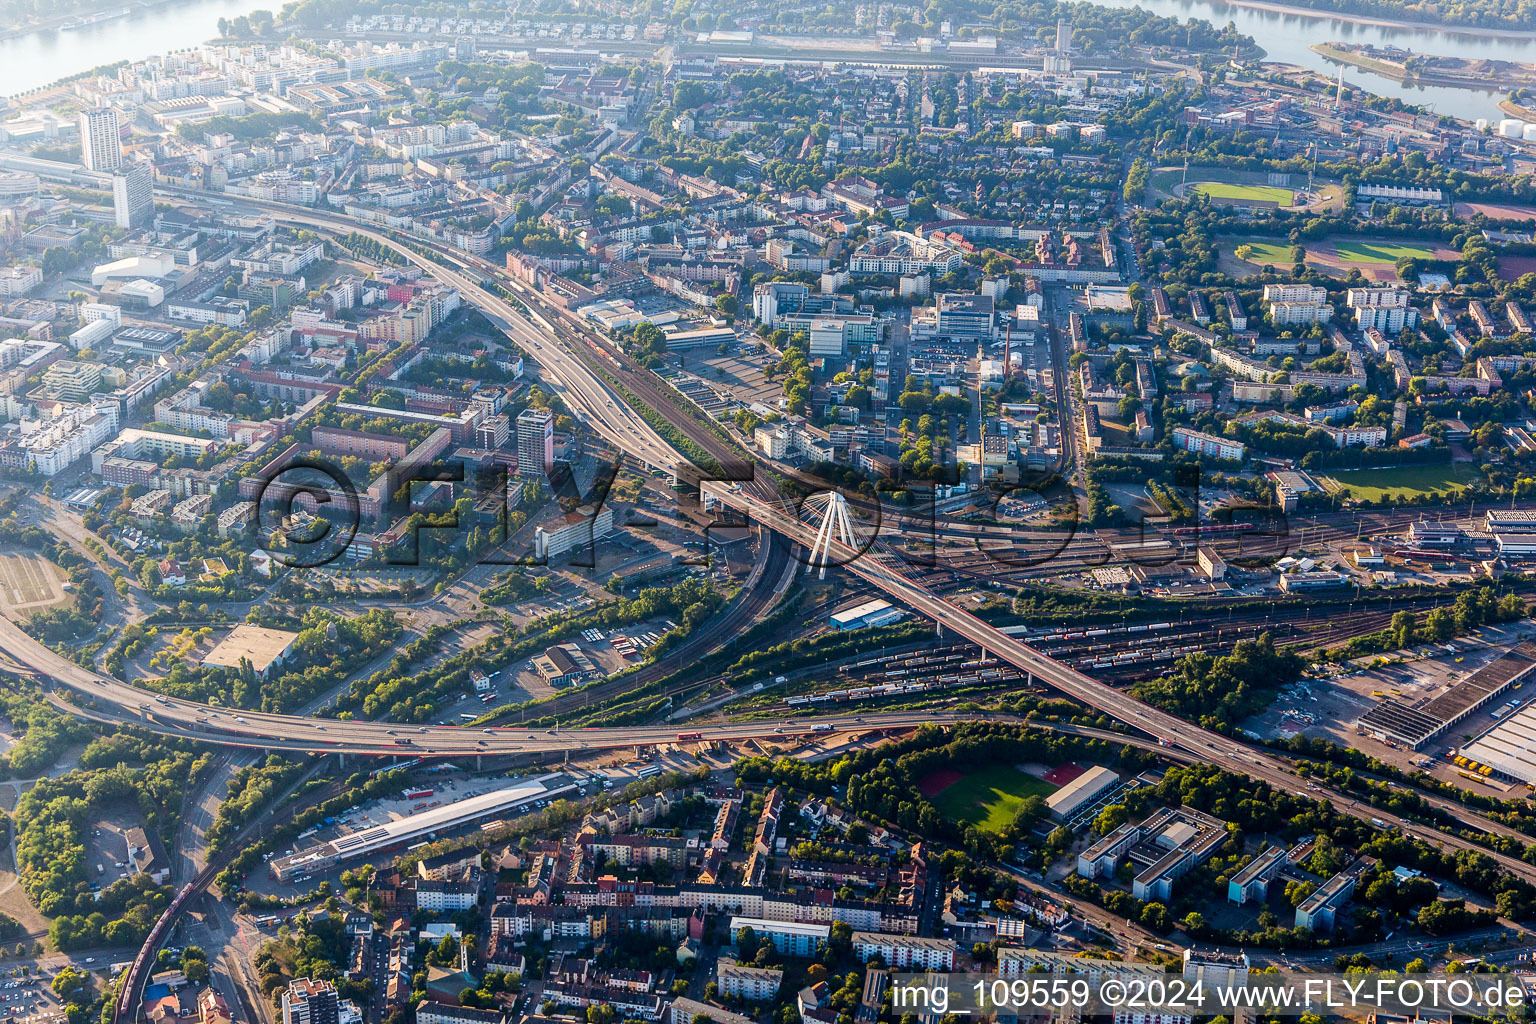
(1259, 193)
(1266, 251)
(1382, 484)
(990, 798)
(27, 580)
(1382, 252)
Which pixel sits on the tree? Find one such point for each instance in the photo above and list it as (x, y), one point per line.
(1439, 624)
(69, 982)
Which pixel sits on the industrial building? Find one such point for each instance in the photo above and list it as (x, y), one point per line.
(1511, 520)
(870, 613)
(1515, 545)
(1415, 725)
(565, 664)
(1302, 582)
(1509, 748)
(430, 822)
(1066, 802)
(265, 649)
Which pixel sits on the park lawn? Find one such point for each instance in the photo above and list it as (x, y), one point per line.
(1276, 253)
(1381, 252)
(1257, 193)
(989, 798)
(1381, 484)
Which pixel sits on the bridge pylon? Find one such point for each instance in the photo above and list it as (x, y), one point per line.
(836, 524)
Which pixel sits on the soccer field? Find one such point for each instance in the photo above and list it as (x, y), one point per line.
(1408, 481)
(1254, 193)
(1381, 252)
(1266, 251)
(989, 798)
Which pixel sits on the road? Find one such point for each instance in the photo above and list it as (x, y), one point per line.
(1170, 730)
(629, 433)
(581, 390)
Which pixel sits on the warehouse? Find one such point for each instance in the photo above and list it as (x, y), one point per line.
(264, 649)
(433, 821)
(1080, 792)
(1509, 748)
(1510, 520)
(1416, 725)
(870, 613)
(1515, 545)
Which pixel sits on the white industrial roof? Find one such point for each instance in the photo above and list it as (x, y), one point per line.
(449, 815)
(1509, 747)
(861, 611)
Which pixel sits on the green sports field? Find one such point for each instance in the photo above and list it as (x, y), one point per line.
(1381, 252)
(1382, 484)
(989, 798)
(1253, 193)
(1266, 251)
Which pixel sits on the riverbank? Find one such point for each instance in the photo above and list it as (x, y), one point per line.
(1363, 19)
(1375, 67)
(1514, 109)
(110, 7)
(35, 61)
(1477, 79)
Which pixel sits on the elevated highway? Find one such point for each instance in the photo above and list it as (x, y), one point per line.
(630, 433)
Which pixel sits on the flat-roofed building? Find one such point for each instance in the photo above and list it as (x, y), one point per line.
(753, 984)
(535, 442)
(1318, 910)
(877, 612)
(788, 937)
(1066, 802)
(264, 648)
(572, 531)
(1252, 881)
(448, 1013)
(906, 952)
(1201, 443)
(1511, 520)
(1416, 726)
(1508, 749)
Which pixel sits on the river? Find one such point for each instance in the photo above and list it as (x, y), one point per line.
(1287, 36)
(34, 59)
